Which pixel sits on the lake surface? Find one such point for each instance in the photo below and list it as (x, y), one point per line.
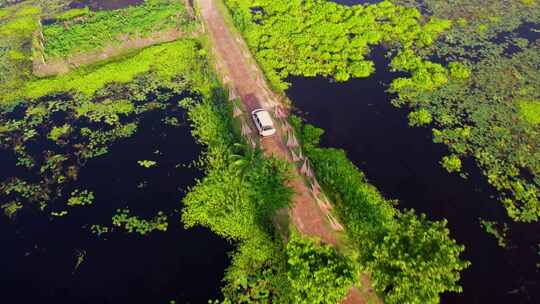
(38, 256)
(402, 162)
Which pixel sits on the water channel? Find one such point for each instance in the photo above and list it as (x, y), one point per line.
(403, 163)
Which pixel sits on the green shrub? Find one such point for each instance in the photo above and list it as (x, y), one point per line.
(317, 273)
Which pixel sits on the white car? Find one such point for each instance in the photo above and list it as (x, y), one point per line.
(263, 122)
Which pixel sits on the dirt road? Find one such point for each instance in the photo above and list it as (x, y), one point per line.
(309, 210)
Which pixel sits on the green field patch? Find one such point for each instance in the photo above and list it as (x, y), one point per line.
(93, 30)
(166, 60)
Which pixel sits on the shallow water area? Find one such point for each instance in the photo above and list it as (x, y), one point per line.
(41, 256)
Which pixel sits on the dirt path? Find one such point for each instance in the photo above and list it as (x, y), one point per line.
(310, 211)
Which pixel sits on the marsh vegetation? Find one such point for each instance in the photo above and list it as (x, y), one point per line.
(60, 135)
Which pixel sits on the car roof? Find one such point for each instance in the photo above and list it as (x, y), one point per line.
(264, 118)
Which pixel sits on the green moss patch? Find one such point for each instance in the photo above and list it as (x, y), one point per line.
(530, 111)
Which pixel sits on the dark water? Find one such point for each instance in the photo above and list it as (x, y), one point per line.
(104, 4)
(402, 163)
(38, 256)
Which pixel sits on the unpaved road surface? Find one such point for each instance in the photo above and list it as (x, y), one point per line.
(240, 74)
(245, 80)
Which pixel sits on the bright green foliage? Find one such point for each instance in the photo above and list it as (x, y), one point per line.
(426, 75)
(318, 274)
(303, 272)
(17, 25)
(417, 261)
(421, 117)
(485, 105)
(257, 273)
(108, 111)
(530, 111)
(410, 259)
(97, 29)
(500, 233)
(10, 209)
(365, 212)
(130, 223)
(166, 60)
(318, 37)
(237, 199)
(451, 163)
(241, 190)
(59, 132)
(81, 198)
(147, 163)
(59, 213)
(459, 70)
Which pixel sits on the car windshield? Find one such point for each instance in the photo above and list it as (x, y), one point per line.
(267, 128)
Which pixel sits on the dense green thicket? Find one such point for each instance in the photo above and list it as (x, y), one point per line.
(81, 31)
(238, 199)
(241, 189)
(318, 274)
(410, 259)
(318, 37)
(303, 271)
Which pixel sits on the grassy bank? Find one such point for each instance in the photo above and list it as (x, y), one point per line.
(409, 258)
(81, 31)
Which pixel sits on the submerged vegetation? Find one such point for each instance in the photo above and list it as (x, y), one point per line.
(53, 137)
(491, 113)
(467, 74)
